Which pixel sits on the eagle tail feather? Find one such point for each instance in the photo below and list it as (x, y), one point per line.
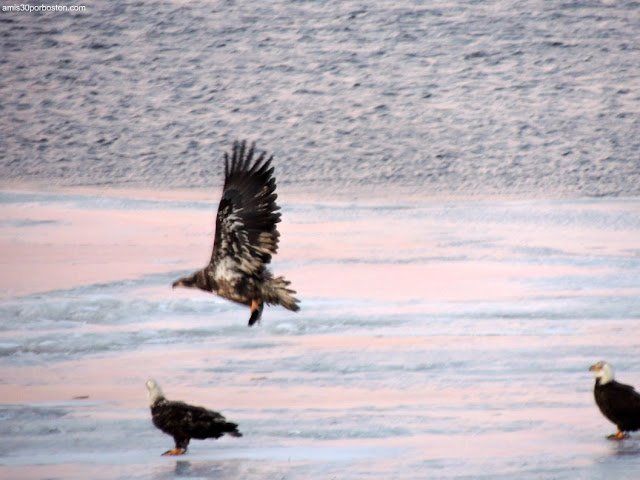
(280, 294)
(232, 429)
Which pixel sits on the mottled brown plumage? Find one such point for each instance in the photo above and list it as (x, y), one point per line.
(184, 422)
(246, 237)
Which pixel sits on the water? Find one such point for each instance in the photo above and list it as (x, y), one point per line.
(354, 99)
(459, 184)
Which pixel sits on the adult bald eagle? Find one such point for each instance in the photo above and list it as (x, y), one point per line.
(184, 422)
(618, 402)
(246, 237)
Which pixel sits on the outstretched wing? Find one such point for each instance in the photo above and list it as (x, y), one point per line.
(246, 235)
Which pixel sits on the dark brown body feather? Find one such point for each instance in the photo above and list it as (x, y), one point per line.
(246, 237)
(619, 403)
(184, 422)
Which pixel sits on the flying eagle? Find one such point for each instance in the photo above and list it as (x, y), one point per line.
(184, 422)
(618, 402)
(246, 237)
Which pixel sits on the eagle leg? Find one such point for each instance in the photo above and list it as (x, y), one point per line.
(175, 451)
(619, 435)
(256, 311)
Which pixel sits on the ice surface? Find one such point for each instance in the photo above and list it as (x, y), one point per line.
(436, 340)
(459, 184)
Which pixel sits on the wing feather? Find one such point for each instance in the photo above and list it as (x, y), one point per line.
(180, 419)
(625, 403)
(246, 235)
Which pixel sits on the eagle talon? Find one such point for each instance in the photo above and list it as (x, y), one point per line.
(174, 452)
(618, 436)
(256, 312)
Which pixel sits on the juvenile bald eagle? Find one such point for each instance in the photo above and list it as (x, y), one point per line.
(246, 237)
(618, 402)
(184, 422)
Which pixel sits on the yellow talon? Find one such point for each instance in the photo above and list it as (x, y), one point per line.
(619, 435)
(175, 451)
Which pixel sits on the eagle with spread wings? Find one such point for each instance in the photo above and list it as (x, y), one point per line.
(246, 237)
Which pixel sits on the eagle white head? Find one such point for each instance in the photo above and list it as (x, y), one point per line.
(603, 371)
(155, 392)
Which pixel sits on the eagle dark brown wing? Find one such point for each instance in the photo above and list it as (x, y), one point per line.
(620, 403)
(246, 235)
(190, 421)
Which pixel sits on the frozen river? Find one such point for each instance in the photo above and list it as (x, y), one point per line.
(436, 340)
(460, 188)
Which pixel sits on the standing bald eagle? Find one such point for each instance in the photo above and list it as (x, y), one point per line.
(618, 402)
(246, 237)
(184, 422)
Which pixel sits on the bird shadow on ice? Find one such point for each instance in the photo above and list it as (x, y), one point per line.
(183, 468)
(621, 461)
(628, 447)
(198, 470)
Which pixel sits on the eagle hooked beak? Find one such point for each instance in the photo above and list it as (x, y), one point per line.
(177, 283)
